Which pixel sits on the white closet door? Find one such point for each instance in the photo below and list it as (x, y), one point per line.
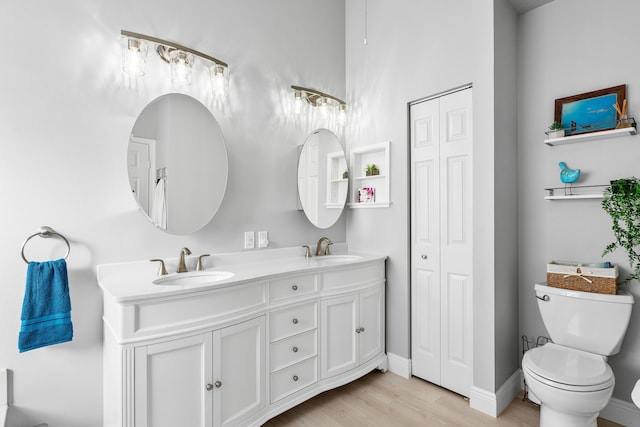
(441, 217)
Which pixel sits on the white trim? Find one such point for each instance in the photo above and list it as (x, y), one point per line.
(483, 401)
(399, 365)
(621, 412)
(493, 404)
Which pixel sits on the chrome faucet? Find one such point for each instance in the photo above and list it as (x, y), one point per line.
(182, 267)
(319, 247)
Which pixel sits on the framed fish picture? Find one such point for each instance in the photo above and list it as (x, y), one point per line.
(591, 111)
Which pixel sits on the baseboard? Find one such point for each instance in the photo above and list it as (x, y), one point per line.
(621, 412)
(399, 365)
(494, 403)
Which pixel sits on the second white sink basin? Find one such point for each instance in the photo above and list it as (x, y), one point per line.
(337, 259)
(193, 278)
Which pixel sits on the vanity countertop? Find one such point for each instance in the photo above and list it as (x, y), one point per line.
(131, 281)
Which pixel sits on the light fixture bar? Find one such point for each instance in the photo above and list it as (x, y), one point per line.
(313, 95)
(172, 45)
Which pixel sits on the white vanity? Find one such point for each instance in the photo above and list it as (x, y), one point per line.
(253, 335)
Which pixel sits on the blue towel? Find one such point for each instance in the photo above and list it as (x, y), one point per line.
(46, 308)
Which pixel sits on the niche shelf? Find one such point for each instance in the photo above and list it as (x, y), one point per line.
(337, 186)
(603, 134)
(377, 154)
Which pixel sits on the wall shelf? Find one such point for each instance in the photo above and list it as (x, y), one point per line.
(589, 194)
(377, 154)
(630, 130)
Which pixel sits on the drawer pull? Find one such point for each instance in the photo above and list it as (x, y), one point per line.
(295, 378)
(294, 287)
(295, 349)
(295, 321)
(218, 384)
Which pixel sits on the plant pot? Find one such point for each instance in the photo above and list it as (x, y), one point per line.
(373, 172)
(554, 134)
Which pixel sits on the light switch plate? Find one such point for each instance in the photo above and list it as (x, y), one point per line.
(249, 240)
(263, 239)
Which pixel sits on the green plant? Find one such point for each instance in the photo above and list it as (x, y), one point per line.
(555, 126)
(372, 167)
(622, 203)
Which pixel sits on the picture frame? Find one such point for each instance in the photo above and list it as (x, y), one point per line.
(590, 111)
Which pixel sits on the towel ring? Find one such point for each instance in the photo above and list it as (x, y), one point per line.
(45, 231)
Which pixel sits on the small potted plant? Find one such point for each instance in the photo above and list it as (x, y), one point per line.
(555, 130)
(345, 174)
(372, 169)
(622, 203)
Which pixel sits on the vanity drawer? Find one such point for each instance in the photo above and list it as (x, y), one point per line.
(293, 320)
(296, 377)
(293, 349)
(291, 287)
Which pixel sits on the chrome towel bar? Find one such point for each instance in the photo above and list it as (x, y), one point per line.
(45, 231)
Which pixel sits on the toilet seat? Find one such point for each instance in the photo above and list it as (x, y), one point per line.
(568, 369)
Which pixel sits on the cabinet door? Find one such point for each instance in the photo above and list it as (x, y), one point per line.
(170, 385)
(371, 324)
(338, 342)
(239, 366)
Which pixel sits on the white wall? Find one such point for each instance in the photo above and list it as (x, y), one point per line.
(65, 118)
(416, 49)
(565, 48)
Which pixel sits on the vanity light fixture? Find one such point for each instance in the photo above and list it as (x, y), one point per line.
(325, 103)
(180, 58)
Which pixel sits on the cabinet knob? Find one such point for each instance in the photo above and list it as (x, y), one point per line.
(295, 349)
(295, 378)
(423, 256)
(218, 384)
(358, 331)
(294, 287)
(295, 321)
(209, 387)
(362, 329)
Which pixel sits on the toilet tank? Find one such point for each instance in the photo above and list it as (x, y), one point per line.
(585, 320)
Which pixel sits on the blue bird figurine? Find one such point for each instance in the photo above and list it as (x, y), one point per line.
(568, 176)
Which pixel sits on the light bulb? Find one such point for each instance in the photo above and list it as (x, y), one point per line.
(298, 102)
(323, 106)
(181, 66)
(342, 114)
(134, 56)
(219, 76)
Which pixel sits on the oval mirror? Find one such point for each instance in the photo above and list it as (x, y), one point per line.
(177, 163)
(322, 178)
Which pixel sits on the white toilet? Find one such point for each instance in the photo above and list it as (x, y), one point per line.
(571, 376)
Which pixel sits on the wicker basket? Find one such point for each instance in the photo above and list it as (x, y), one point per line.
(582, 277)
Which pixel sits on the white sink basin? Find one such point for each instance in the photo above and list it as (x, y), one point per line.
(337, 259)
(193, 279)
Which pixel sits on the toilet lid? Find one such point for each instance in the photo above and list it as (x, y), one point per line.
(563, 365)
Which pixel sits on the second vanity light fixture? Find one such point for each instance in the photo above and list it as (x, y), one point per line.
(325, 103)
(181, 59)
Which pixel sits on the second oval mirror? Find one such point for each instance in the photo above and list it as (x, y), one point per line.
(177, 163)
(322, 178)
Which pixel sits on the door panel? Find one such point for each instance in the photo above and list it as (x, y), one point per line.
(242, 364)
(441, 237)
(170, 383)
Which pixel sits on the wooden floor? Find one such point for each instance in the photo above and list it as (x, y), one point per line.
(386, 400)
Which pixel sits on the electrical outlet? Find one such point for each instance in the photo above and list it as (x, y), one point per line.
(249, 240)
(263, 239)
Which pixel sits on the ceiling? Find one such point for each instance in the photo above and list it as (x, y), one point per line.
(522, 6)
